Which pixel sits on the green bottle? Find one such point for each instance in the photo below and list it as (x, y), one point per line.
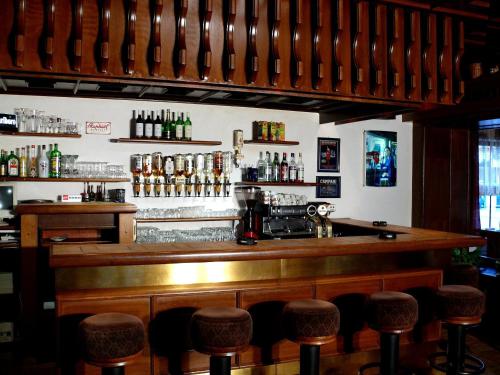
(3, 164)
(179, 129)
(172, 126)
(13, 165)
(188, 128)
(166, 127)
(55, 163)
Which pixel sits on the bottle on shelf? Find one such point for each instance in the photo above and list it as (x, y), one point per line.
(269, 168)
(55, 163)
(172, 126)
(13, 165)
(33, 162)
(3, 163)
(158, 126)
(23, 164)
(148, 126)
(276, 168)
(43, 164)
(166, 134)
(261, 168)
(188, 128)
(300, 169)
(139, 125)
(284, 169)
(179, 128)
(292, 169)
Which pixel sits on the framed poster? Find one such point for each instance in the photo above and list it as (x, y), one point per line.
(380, 158)
(329, 187)
(328, 154)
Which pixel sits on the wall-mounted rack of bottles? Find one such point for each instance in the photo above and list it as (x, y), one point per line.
(188, 219)
(277, 143)
(271, 183)
(51, 135)
(169, 141)
(36, 179)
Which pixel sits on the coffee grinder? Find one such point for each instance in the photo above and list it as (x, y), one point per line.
(248, 197)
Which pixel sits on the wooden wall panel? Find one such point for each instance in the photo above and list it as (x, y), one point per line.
(413, 56)
(341, 47)
(445, 57)
(378, 37)
(360, 32)
(429, 58)
(396, 54)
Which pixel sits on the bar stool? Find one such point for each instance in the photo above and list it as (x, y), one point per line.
(221, 332)
(310, 323)
(111, 341)
(459, 306)
(391, 314)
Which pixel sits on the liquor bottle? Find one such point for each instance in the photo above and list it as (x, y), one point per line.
(158, 126)
(92, 193)
(13, 165)
(292, 169)
(261, 168)
(269, 168)
(33, 165)
(55, 163)
(276, 168)
(3, 163)
(23, 164)
(284, 169)
(165, 133)
(172, 126)
(188, 128)
(300, 169)
(148, 126)
(139, 125)
(179, 128)
(43, 164)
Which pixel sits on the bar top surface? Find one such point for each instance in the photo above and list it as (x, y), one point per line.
(408, 239)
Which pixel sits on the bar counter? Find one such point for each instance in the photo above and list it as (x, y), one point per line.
(161, 283)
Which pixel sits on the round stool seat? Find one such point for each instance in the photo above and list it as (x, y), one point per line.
(111, 339)
(392, 312)
(311, 321)
(460, 304)
(221, 330)
(462, 274)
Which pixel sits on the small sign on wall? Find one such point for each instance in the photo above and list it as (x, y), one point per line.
(94, 127)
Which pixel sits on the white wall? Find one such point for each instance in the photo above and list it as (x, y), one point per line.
(217, 123)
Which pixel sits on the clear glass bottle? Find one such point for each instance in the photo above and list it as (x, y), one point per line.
(300, 169)
(269, 168)
(292, 169)
(276, 168)
(23, 164)
(43, 164)
(261, 168)
(33, 163)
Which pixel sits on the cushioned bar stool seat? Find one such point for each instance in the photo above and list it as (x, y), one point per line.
(390, 313)
(111, 340)
(310, 323)
(221, 332)
(458, 306)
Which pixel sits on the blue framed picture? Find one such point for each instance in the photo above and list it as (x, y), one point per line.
(328, 154)
(328, 187)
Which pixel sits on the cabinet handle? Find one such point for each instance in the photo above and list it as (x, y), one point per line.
(131, 23)
(275, 38)
(318, 58)
(181, 39)
(230, 60)
(377, 49)
(411, 54)
(156, 63)
(105, 23)
(253, 62)
(393, 54)
(298, 65)
(206, 50)
(20, 33)
(338, 46)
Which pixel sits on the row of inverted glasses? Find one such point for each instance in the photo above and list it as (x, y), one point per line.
(183, 212)
(212, 234)
(34, 121)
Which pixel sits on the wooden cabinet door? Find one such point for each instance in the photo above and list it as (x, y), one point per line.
(421, 285)
(170, 330)
(71, 312)
(349, 295)
(265, 306)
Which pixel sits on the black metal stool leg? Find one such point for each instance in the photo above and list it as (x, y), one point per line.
(456, 348)
(118, 370)
(389, 353)
(220, 365)
(309, 359)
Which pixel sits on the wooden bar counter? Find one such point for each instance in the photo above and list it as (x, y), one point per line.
(164, 284)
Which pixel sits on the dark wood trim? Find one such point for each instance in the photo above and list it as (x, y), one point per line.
(156, 38)
(205, 47)
(252, 53)
(230, 53)
(181, 51)
(20, 32)
(49, 26)
(166, 141)
(458, 81)
(77, 39)
(318, 70)
(72, 208)
(131, 31)
(105, 21)
(297, 63)
(275, 64)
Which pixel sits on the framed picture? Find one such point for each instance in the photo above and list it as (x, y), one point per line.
(381, 160)
(329, 187)
(328, 154)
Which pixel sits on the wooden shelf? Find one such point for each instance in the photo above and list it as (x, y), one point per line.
(51, 135)
(167, 141)
(246, 183)
(188, 219)
(276, 143)
(36, 179)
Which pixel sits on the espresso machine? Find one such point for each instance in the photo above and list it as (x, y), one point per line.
(251, 223)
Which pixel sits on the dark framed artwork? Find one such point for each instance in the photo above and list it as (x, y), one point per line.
(328, 154)
(328, 187)
(380, 158)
